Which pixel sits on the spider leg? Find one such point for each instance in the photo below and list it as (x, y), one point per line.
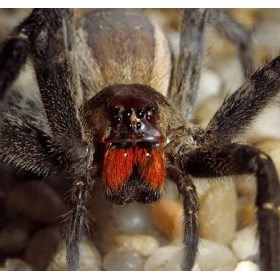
(232, 159)
(240, 109)
(185, 77)
(190, 201)
(13, 54)
(77, 218)
(51, 45)
(229, 28)
(59, 84)
(25, 146)
(54, 62)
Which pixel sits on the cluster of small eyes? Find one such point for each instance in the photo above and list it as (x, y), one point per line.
(117, 115)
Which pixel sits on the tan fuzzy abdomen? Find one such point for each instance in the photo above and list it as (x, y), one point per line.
(121, 46)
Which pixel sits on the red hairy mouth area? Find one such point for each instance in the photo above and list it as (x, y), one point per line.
(120, 163)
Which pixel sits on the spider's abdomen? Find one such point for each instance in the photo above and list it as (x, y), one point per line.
(121, 47)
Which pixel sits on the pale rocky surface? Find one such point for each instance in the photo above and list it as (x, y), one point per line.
(123, 261)
(132, 218)
(247, 266)
(165, 258)
(217, 215)
(245, 243)
(145, 245)
(215, 256)
(167, 216)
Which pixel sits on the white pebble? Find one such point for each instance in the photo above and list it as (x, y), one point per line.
(123, 261)
(214, 256)
(267, 35)
(145, 245)
(165, 258)
(217, 216)
(132, 218)
(247, 266)
(245, 244)
(16, 265)
(210, 85)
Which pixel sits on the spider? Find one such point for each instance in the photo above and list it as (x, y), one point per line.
(103, 83)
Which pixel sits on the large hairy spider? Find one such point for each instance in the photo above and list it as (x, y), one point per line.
(103, 81)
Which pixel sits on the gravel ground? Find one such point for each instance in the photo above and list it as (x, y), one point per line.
(148, 237)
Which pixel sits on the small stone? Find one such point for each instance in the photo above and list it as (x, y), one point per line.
(90, 258)
(171, 190)
(42, 247)
(266, 36)
(206, 110)
(246, 210)
(247, 266)
(167, 216)
(215, 256)
(132, 218)
(245, 244)
(14, 236)
(37, 201)
(272, 148)
(246, 213)
(210, 85)
(264, 127)
(145, 245)
(123, 261)
(16, 265)
(217, 215)
(229, 69)
(165, 258)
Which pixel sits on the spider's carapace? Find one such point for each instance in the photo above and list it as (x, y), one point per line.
(132, 139)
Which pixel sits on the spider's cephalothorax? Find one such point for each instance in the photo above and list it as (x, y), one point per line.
(131, 139)
(103, 115)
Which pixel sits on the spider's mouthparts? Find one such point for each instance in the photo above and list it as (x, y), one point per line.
(121, 163)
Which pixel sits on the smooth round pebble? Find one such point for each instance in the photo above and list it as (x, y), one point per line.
(132, 218)
(165, 258)
(123, 261)
(37, 201)
(215, 256)
(145, 245)
(16, 265)
(42, 247)
(167, 216)
(245, 244)
(247, 266)
(266, 35)
(210, 85)
(14, 236)
(217, 215)
(272, 148)
(90, 258)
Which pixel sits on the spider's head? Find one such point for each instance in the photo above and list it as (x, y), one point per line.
(128, 124)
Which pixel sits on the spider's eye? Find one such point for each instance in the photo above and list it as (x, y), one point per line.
(150, 112)
(115, 113)
(140, 113)
(126, 114)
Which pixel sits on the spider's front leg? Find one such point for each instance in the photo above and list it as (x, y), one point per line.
(233, 159)
(53, 54)
(190, 202)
